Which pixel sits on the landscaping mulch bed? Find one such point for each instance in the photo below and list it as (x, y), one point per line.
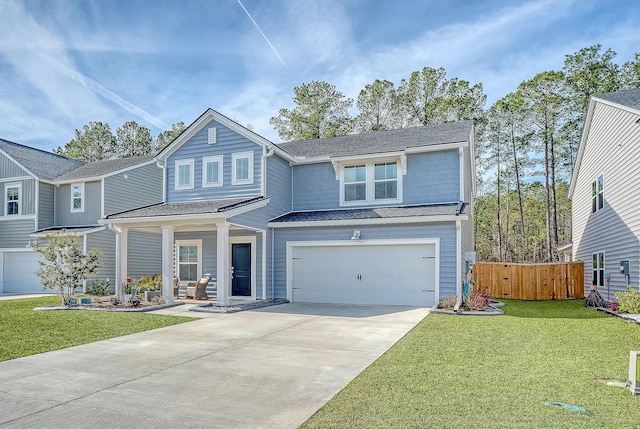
(108, 306)
(492, 310)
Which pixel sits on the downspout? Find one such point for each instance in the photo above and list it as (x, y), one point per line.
(266, 153)
(458, 265)
(273, 241)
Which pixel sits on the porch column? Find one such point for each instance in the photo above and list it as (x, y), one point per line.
(167, 263)
(122, 244)
(223, 263)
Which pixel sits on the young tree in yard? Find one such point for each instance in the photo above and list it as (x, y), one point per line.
(321, 111)
(95, 142)
(65, 265)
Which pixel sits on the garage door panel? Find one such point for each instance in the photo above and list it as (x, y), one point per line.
(398, 274)
(19, 272)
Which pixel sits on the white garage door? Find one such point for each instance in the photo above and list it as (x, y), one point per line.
(18, 272)
(395, 274)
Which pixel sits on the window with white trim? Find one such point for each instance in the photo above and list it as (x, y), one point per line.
(212, 171)
(386, 180)
(189, 258)
(355, 183)
(597, 194)
(13, 199)
(370, 183)
(77, 197)
(598, 269)
(184, 173)
(242, 168)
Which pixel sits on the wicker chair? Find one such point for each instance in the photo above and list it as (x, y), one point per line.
(198, 290)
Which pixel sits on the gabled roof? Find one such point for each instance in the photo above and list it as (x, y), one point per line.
(628, 100)
(203, 120)
(41, 164)
(381, 141)
(101, 168)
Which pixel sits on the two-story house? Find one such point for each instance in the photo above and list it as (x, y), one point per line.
(44, 192)
(376, 218)
(604, 189)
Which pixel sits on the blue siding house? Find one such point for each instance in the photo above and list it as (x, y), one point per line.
(43, 192)
(377, 218)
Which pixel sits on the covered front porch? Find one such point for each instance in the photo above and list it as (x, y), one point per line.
(195, 246)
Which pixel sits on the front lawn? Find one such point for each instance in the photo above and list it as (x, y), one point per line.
(25, 332)
(464, 371)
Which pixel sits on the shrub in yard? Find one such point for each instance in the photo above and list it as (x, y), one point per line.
(158, 300)
(448, 301)
(629, 301)
(116, 300)
(478, 300)
(99, 287)
(135, 301)
(614, 305)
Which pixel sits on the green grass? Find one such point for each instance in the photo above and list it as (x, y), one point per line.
(25, 332)
(463, 371)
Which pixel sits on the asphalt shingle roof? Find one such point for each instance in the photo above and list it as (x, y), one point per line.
(381, 141)
(184, 208)
(45, 165)
(373, 213)
(629, 98)
(98, 168)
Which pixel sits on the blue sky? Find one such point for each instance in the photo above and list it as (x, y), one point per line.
(65, 63)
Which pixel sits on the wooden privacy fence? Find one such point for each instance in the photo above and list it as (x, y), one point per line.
(533, 282)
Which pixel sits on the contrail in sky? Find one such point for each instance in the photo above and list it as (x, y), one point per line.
(110, 95)
(265, 37)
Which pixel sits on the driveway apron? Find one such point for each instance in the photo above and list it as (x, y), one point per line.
(269, 368)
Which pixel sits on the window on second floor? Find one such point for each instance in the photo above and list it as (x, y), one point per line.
(212, 171)
(373, 182)
(597, 194)
(13, 199)
(77, 197)
(184, 174)
(242, 168)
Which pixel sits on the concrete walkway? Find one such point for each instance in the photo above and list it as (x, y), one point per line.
(268, 368)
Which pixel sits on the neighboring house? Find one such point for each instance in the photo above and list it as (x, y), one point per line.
(377, 218)
(44, 192)
(604, 190)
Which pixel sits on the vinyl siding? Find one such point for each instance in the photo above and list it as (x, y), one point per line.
(143, 187)
(46, 205)
(9, 169)
(432, 177)
(315, 187)
(228, 142)
(145, 254)
(279, 193)
(106, 241)
(612, 150)
(446, 232)
(92, 205)
(15, 233)
(28, 196)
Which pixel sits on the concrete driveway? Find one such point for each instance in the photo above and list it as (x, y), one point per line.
(271, 367)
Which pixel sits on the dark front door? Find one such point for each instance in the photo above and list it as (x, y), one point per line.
(241, 269)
